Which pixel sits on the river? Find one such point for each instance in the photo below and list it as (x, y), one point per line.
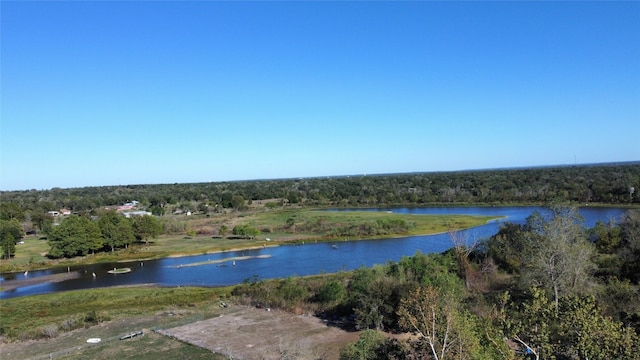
(229, 268)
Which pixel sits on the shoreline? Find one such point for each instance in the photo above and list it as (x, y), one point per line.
(8, 285)
(273, 243)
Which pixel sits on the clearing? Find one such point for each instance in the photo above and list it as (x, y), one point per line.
(251, 333)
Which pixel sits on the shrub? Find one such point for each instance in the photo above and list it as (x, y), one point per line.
(92, 317)
(70, 324)
(49, 331)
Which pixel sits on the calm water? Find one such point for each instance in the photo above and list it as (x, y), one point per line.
(288, 260)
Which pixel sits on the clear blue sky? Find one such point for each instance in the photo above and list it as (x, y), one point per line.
(116, 93)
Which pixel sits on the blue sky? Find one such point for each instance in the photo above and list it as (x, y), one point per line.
(117, 93)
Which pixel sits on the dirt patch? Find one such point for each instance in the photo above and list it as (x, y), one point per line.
(250, 333)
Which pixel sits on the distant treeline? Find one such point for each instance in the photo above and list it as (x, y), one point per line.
(614, 183)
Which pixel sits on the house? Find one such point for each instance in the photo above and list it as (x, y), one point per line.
(136, 213)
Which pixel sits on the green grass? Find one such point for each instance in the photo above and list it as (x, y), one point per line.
(113, 312)
(31, 252)
(25, 317)
(329, 220)
(151, 346)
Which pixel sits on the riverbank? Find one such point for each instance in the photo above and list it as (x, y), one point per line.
(277, 228)
(8, 285)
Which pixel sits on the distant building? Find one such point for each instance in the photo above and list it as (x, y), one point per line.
(136, 213)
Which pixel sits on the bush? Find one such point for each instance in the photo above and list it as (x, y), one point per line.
(93, 317)
(332, 292)
(70, 324)
(49, 331)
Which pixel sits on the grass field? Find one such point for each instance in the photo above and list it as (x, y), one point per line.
(33, 316)
(60, 324)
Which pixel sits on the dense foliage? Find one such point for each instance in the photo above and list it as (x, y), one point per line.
(547, 289)
(538, 291)
(80, 235)
(606, 183)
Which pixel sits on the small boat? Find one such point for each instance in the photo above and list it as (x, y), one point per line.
(335, 247)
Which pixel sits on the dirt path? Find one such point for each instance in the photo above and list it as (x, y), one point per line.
(258, 334)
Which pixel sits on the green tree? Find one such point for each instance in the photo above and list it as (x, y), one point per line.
(157, 210)
(117, 231)
(237, 202)
(368, 347)
(10, 232)
(11, 211)
(509, 247)
(606, 237)
(291, 223)
(376, 305)
(76, 235)
(42, 220)
(576, 330)
(245, 230)
(146, 227)
(331, 293)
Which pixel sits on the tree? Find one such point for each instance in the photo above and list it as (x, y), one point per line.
(42, 220)
(560, 259)
(331, 293)
(629, 251)
(366, 348)
(375, 306)
(437, 320)
(577, 330)
(509, 247)
(10, 233)
(76, 235)
(11, 211)
(146, 227)
(462, 252)
(606, 237)
(245, 231)
(157, 210)
(116, 230)
(291, 223)
(237, 202)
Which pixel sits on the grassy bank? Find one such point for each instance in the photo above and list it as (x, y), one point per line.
(31, 317)
(65, 320)
(277, 226)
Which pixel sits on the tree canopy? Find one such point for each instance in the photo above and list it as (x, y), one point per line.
(10, 233)
(602, 183)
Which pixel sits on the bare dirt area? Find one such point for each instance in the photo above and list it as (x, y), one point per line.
(258, 334)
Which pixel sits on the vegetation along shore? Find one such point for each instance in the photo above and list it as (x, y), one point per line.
(549, 288)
